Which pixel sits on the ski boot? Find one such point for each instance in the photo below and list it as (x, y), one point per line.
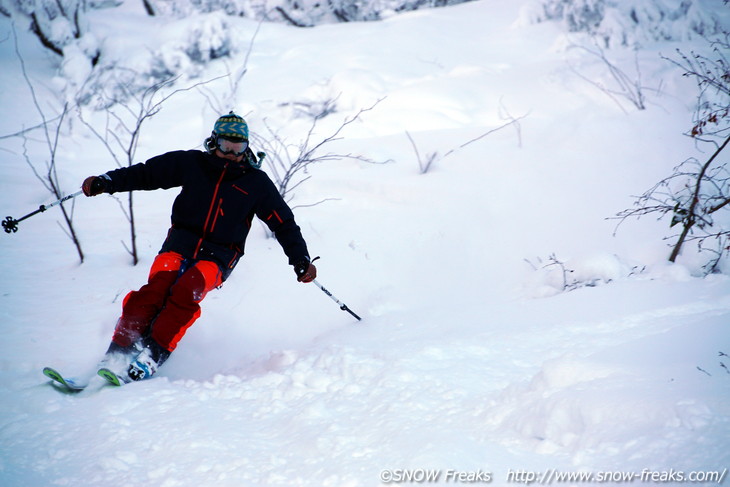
(148, 361)
(117, 358)
(113, 367)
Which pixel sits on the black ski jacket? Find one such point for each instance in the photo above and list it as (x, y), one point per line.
(212, 215)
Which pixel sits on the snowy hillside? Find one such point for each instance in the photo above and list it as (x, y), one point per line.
(469, 360)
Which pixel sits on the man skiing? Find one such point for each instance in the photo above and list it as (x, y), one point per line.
(222, 190)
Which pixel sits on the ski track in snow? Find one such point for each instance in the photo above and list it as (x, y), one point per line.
(356, 406)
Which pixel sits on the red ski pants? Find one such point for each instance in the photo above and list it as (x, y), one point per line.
(169, 303)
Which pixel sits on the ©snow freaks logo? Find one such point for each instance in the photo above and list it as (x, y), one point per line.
(421, 476)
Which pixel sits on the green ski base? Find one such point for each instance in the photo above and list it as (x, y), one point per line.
(111, 377)
(69, 383)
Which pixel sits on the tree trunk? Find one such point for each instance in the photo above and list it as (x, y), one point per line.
(690, 220)
(133, 232)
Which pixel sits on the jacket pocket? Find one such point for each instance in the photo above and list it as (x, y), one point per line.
(239, 189)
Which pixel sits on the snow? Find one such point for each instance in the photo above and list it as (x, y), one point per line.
(470, 357)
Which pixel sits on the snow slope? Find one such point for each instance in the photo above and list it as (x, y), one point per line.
(469, 358)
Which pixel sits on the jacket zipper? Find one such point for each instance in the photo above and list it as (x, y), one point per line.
(218, 212)
(210, 211)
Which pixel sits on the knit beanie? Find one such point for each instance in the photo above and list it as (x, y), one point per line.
(231, 126)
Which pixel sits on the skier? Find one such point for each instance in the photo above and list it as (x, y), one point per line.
(222, 189)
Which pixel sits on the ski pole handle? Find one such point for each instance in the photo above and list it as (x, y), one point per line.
(10, 224)
(342, 305)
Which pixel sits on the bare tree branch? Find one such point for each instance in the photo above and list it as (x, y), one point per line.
(692, 212)
(289, 163)
(712, 75)
(122, 130)
(50, 178)
(217, 104)
(432, 158)
(627, 87)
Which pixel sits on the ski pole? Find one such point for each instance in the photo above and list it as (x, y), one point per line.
(343, 306)
(10, 224)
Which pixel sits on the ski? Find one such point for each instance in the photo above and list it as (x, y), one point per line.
(111, 377)
(73, 384)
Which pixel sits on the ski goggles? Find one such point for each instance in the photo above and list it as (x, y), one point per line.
(228, 146)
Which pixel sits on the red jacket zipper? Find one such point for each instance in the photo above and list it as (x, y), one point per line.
(218, 212)
(210, 211)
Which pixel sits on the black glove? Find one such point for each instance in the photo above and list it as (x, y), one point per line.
(305, 271)
(94, 185)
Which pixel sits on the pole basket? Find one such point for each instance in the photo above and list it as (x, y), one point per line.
(10, 225)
